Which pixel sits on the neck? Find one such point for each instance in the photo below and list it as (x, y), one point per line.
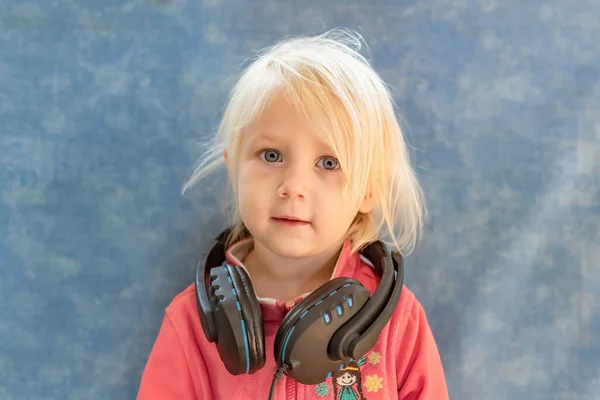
(284, 278)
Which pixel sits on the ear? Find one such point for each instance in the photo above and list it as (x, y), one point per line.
(228, 165)
(226, 158)
(366, 204)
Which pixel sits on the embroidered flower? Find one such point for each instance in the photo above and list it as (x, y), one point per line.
(373, 383)
(374, 357)
(322, 389)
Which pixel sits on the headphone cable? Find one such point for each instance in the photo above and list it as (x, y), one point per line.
(278, 374)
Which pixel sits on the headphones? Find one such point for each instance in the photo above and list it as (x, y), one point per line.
(336, 323)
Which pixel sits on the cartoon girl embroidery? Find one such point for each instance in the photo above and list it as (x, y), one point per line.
(345, 379)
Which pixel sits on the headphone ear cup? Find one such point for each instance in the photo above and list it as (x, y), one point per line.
(252, 315)
(303, 339)
(294, 314)
(238, 320)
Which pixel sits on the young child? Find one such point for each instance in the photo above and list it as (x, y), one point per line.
(319, 170)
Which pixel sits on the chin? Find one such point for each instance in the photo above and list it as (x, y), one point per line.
(289, 247)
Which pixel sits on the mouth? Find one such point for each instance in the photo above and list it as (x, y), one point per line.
(291, 221)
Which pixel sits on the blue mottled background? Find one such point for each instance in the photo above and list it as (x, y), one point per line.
(103, 104)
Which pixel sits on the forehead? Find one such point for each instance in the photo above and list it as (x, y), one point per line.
(281, 120)
(279, 113)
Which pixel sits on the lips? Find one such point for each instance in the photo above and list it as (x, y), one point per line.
(291, 220)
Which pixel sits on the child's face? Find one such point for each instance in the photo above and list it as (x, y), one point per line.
(345, 380)
(286, 171)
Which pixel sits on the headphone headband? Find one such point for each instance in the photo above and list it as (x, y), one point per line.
(215, 256)
(354, 339)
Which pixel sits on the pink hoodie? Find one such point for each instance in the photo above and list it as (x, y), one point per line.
(404, 364)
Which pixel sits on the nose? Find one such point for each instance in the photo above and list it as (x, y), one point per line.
(295, 182)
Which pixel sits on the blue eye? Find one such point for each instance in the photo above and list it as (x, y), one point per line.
(271, 156)
(329, 163)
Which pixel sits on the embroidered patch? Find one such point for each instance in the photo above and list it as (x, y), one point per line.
(374, 383)
(322, 389)
(374, 357)
(348, 383)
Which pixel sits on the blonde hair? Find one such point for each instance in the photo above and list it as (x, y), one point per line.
(332, 84)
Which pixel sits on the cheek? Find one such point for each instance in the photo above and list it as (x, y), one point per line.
(252, 213)
(251, 192)
(338, 206)
(335, 184)
(335, 180)
(246, 179)
(253, 173)
(248, 200)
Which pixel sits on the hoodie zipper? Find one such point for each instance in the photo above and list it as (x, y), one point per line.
(290, 388)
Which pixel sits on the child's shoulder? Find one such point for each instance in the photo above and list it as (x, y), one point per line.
(184, 302)
(408, 311)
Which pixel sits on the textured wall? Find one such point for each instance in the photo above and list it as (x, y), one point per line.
(102, 103)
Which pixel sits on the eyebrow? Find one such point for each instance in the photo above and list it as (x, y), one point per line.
(263, 135)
